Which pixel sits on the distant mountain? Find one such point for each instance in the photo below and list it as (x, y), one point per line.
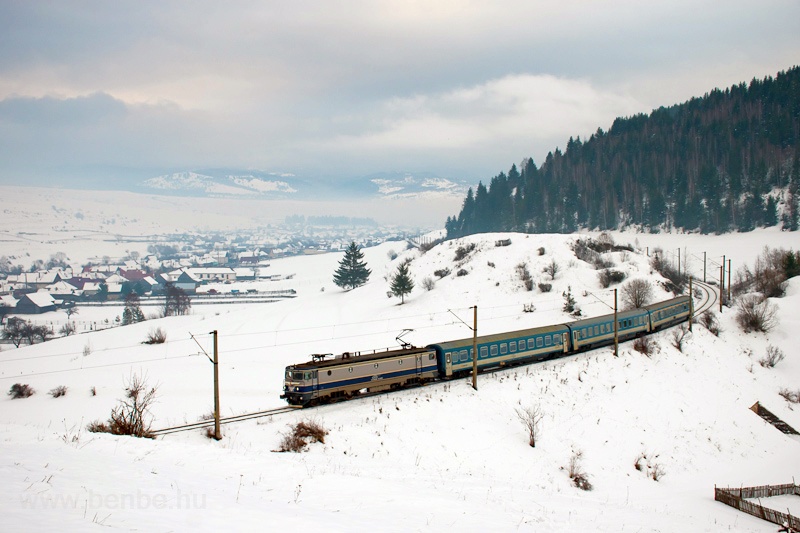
(239, 183)
(729, 161)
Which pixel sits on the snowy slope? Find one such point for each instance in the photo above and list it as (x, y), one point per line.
(436, 458)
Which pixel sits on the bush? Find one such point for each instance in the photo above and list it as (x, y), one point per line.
(773, 356)
(678, 336)
(608, 276)
(789, 396)
(21, 390)
(463, 251)
(525, 275)
(643, 345)
(129, 417)
(545, 287)
(575, 472)
(428, 284)
(541, 251)
(442, 273)
(67, 329)
(709, 321)
(461, 272)
(675, 280)
(156, 336)
(58, 392)
(301, 435)
(756, 313)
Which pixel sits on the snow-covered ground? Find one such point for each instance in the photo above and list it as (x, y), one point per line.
(441, 457)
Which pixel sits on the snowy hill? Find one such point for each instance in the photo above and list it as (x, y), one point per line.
(436, 458)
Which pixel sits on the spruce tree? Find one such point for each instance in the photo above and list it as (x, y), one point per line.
(402, 283)
(352, 271)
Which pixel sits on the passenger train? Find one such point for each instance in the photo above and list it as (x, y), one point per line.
(326, 378)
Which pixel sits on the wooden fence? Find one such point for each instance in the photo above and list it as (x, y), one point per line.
(737, 498)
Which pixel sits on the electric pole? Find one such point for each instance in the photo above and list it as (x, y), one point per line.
(217, 434)
(691, 304)
(616, 327)
(475, 348)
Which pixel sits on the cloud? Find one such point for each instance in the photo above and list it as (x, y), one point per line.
(506, 115)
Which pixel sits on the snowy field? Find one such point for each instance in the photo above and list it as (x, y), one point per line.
(438, 458)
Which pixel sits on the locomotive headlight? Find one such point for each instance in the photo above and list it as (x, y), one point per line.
(297, 389)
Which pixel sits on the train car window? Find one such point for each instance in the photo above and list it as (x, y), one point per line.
(503, 349)
(493, 350)
(464, 355)
(539, 342)
(556, 339)
(548, 341)
(597, 330)
(531, 344)
(512, 346)
(307, 375)
(484, 352)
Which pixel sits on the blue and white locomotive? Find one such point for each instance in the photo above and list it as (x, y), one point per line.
(325, 379)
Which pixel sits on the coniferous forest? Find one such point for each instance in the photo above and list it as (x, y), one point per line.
(729, 161)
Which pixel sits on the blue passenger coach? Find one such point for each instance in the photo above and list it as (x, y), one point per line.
(527, 345)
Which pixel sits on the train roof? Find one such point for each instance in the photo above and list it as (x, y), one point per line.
(559, 328)
(621, 315)
(667, 303)
(354, 357)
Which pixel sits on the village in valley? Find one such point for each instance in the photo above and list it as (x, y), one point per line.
(233, 267)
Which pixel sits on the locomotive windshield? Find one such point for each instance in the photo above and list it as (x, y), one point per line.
(297, 375)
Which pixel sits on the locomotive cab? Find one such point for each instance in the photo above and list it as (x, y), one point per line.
(299, 386)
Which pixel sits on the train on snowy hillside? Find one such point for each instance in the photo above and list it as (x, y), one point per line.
(326, 378)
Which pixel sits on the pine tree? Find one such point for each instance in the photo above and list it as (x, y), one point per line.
(133, 312)
(352, 271)
(402, 283)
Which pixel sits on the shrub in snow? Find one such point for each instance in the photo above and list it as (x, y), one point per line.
(530, 417)
(442, 273)
(58, 392)
(463, 251)
(461, 272)
(156, 336)
(541, 251)
(608, 276)
(756, 313)
(525, 275)
(129, 417)
(709, 321)
(650, 468)
(428, 284)
(678, 336)
(576, 473)
(545, 287)
(643, 345)
(552, 269)
(773, 356)
(301, 435)
(789, 396)
(21, 390)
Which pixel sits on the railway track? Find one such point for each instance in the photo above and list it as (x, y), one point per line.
(710, 294)
(224, 420)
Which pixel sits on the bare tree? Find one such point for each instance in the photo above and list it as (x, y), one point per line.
(756, 313)
(552, 269)
(176, 301)
(637, 293)
(530, 418)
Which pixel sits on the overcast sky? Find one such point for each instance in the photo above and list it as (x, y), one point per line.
(326, 88)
